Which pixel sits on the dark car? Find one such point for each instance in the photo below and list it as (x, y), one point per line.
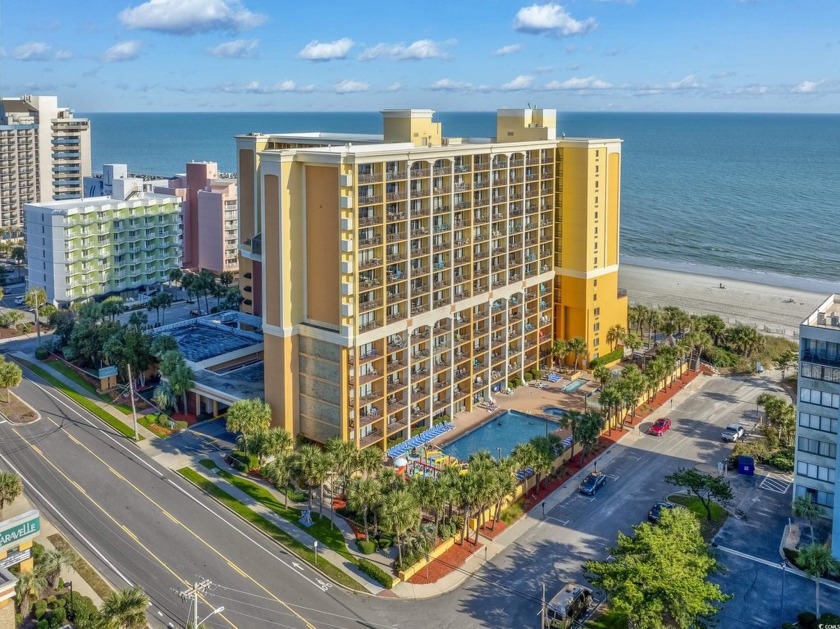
(592, 483)
(195, 312)
(660, 427)
(655, 510)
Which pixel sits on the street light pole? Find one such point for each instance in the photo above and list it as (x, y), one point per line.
(782, 603)
(133, 407)
(72, 608)
(315, 545)
(500, 454)
(218, 610)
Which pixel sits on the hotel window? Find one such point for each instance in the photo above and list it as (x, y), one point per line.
(815, 446)
(820, 398)
(595, 260)
(596, 341)
(823, 498)
(817, 422)
(596, 327)
(597, 311)
(818, 472)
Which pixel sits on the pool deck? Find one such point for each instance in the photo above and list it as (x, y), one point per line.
(530, 399)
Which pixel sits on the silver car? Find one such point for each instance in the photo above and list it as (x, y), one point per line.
(733, 432)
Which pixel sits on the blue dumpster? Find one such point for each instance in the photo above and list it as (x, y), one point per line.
(746, 465)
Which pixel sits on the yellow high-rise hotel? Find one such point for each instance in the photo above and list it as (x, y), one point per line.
(408, 275)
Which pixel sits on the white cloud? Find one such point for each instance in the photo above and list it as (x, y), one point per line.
(421, 49)
(579, 83)
(522, 82)
(348, 87)
(39, 51)
(807, 87)
(723, 75)
(326, 51)
(688, 82)
(448, 85)
(508, 50)
(394, 87)
(550, 19)
(124, 51)
(188, 17)
(254, 87)
(236, 49)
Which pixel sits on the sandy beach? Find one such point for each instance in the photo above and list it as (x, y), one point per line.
(772, 309)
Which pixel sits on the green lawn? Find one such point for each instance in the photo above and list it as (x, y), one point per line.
(270, 529)
(82, 401)
(322, 530)
(693, 504)
(79, 379)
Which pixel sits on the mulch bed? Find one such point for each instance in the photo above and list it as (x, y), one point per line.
(16, 410)
(491, 532)
(448, 562)
(181, 417)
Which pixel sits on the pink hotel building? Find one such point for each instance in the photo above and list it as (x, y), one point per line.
(210, 217)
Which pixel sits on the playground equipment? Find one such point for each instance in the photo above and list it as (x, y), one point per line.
(431, 462)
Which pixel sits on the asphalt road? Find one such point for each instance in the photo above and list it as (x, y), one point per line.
(140, 523)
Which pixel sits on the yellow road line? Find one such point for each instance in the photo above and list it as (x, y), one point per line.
(186, 528)
(122, 526)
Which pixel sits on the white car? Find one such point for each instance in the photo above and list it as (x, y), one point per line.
(733, 433)
(19, 300)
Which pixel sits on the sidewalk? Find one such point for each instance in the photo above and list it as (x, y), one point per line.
(287, 527)
(144, 432)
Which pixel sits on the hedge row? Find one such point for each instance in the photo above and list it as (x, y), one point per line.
(377, 573)
(606, 359)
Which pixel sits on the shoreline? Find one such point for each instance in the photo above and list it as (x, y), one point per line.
(771, 308)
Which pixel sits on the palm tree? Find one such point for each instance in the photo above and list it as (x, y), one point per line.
(311, 467)
(370, 461)
(279, 472)
(175, 275)
(805, 508)
(399, 513)
(482, 465)
(610, 399)
(125, 609)
(137, 319)
(36, 298)
(578, 347)
(53, 561)
(504, 486)
(226, 278)
(448, 481)
(275, 443)
(816, 561)
(429, 495)
(164, 300)
(468, 496)
(559, 349)
(344, 459)
(29, 584)
(589, 429)
(363, 496)
(602, 374)
(248, 417)
(615, 334)
(10, 488)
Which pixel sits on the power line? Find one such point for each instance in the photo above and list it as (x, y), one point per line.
(191, 595)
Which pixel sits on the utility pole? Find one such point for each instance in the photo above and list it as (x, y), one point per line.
(191, 595)
(133, 407)
(542, 610)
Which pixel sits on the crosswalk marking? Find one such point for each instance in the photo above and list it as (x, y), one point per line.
(776, 482)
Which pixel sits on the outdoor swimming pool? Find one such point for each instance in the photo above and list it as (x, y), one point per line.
(505, 432)
(554, 411)
(574, 386)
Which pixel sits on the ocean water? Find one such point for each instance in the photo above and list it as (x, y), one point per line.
(753, 196)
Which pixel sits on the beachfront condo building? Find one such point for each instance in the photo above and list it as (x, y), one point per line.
(405, 276)
(44, 155)
(211, 224)
(818, 409)
(80, 249)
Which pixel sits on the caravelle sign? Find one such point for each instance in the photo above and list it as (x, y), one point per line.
(19, 529)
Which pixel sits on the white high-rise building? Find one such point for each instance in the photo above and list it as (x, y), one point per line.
(818, 412)
(44, 155)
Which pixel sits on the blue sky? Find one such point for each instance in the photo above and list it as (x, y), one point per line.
(276, 55)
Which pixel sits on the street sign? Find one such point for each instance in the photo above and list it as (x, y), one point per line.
(19, 529)
(106, 372)
(13, 559)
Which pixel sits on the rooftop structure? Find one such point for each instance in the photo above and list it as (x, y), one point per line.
(225, 350)
(818, 412)
(44, 155)
(409, 275)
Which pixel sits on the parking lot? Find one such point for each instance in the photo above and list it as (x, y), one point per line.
(577, 528)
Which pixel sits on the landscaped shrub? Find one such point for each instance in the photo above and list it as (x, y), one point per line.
(782, 460)
(58, 617)
(536, 374)
(41, 353)
(807, 620)
(720, 357)
(384, 542)
(85, 613)
(181, 425)
(606, 359)
(829, 619)
(528, 376)
(43, 624)
(40, 609)
(440, 419)
(366, 547)
(791, 555)
(243, 461)
(377, 573)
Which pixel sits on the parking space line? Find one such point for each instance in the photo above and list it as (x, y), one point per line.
(776, 482)
(611, 476)
(586, 498)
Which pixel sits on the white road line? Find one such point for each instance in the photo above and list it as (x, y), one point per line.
(169, 481)
(773, 482)
(773, 564)
(67, 522)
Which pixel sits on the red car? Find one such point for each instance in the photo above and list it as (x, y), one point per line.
(660, 427)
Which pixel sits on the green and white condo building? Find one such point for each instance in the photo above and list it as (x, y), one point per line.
(82, 248)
